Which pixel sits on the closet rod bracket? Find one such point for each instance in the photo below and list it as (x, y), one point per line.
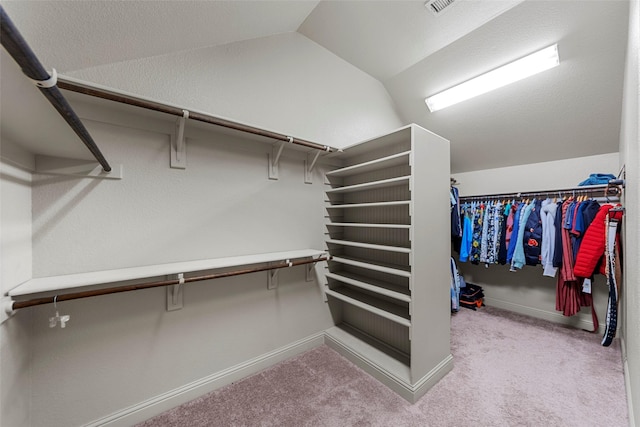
(7, 310)
(175, 293)
(309, 272)
(274, 157)
(309, 164)
(272, 279)
(179, 143)
(272, 275)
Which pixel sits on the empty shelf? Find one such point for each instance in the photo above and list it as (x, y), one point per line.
(378, 286)
(381, 163)
(370, 185)
(363, 225)
(370, 246)
(385, 309)
(375, 266)
(370, 205)
(393, 363)
(70, 281)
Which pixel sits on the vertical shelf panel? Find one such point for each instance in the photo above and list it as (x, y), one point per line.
(400, 180)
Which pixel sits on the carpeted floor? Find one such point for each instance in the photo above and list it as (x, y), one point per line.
(509, 370)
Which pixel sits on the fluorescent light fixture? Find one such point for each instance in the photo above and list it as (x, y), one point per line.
(517, 70)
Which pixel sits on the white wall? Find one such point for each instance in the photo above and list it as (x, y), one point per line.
(120, 350)
(630, 157)
(285, 83)
(15, 268)
(527, 291)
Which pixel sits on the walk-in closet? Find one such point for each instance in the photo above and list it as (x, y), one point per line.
(271, 213)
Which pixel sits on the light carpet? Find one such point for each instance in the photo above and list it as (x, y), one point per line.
(509, 370)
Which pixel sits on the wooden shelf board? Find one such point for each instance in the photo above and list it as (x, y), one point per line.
(381, 163)
(370, 246)
(375, 266)
(391, 182)
(378, 286)
(364, 225)
(370, 205)
(350, 339)
(70, 281)
(382, 308)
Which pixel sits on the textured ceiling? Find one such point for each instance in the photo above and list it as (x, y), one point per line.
(383, 38)
(570, 111)
(80, 34)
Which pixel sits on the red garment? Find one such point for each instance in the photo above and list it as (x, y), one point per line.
(569, 295)
(593, 244)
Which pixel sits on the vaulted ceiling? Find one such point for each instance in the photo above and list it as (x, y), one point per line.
(570, 111)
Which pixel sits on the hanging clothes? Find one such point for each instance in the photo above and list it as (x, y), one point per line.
(557, 224)
(455, 286)
(454, 199)
(519, 260)
(532, 239)
(567, 238)
(548, 215)
(567, 253)
(484, 241)
(502, 243)
(456, 221)
(476, 239)
(467, 233)
(569, 288)
(593, 243)
(614, 274)
(516, 229)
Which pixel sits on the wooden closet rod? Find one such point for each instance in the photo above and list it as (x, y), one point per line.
(18, 48)
(135, 101)
(127, 288)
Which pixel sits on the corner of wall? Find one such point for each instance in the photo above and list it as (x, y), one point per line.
(630, 158)
(15, 268)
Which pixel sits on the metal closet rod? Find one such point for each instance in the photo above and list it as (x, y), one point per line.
(18, 48)
(604, 190)
(127, 288)
(123, 98)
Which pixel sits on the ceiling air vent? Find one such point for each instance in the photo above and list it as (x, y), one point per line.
(437, 7)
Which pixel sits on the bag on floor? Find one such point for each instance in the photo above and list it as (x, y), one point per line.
(471, 296)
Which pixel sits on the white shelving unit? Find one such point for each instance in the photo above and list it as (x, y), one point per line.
(387, 286)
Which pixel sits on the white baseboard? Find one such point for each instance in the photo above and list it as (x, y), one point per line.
(627, 382)
(436, 374)
(163, 402)
(384, 372)
(552, 316)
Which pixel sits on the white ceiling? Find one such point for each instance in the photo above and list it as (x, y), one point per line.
(383, 38)
(80, 34)
(570, 111)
